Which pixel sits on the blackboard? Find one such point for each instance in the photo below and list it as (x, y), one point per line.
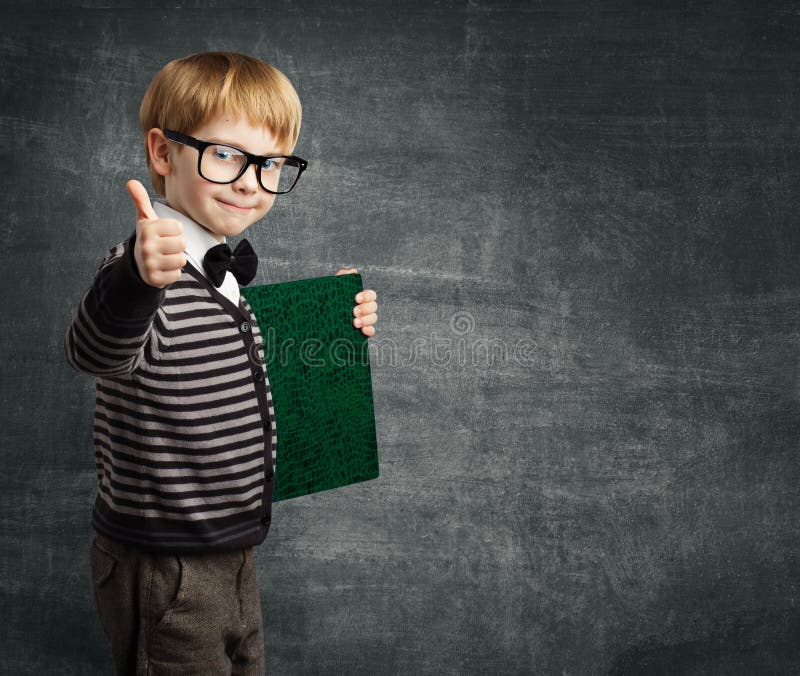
(581, 222)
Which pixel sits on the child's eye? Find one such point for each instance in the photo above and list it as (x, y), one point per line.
(269, 165)
(222, 154)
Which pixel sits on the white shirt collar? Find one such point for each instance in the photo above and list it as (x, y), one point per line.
(198, 241)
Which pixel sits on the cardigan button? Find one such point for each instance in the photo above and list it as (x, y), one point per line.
(244, 327)
(258, 376)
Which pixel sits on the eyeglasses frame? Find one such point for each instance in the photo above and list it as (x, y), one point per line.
(258, 160)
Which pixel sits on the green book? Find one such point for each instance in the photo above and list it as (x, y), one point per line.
(318, 368)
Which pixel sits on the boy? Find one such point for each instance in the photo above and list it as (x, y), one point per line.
(184, 430)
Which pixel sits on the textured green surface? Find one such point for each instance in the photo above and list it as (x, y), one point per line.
(318, 369)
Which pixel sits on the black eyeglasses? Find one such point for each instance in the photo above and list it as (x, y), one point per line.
(221, 163)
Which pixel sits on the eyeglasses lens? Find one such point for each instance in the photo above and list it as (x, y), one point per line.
(222, 164)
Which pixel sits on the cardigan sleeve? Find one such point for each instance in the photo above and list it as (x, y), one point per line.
(113, 321)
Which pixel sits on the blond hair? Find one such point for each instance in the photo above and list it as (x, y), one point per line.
(188, 92)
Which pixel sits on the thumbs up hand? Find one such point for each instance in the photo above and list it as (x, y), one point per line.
(159, 243)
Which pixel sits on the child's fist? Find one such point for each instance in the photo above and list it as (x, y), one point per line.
(159, 243)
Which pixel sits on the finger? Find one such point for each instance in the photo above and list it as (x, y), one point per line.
(164, 262)
(172, 244)
(169, 262)
(170, 229)
(365, 296)
(162, 279)
(144, 210)
(366, 320)
(349, 271)
(365, 308)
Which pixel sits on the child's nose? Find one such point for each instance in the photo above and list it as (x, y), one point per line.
(248, 181)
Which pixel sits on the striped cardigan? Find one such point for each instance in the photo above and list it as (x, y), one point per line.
(184, 426)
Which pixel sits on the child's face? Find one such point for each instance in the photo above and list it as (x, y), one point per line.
(224, 209)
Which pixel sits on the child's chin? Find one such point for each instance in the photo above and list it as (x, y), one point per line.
(231, 229)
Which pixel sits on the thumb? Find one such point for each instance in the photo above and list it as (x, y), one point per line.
(144, 210)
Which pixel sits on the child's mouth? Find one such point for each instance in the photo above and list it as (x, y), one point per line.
(234, 207)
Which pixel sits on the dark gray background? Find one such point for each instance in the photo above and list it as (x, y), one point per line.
(603, 195)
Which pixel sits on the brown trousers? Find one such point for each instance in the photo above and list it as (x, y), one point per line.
(170, 614)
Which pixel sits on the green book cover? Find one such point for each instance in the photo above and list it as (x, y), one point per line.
(318, 368)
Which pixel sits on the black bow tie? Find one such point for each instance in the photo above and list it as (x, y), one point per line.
(242, 263)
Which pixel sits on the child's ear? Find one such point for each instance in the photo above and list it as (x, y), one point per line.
(158, 147)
